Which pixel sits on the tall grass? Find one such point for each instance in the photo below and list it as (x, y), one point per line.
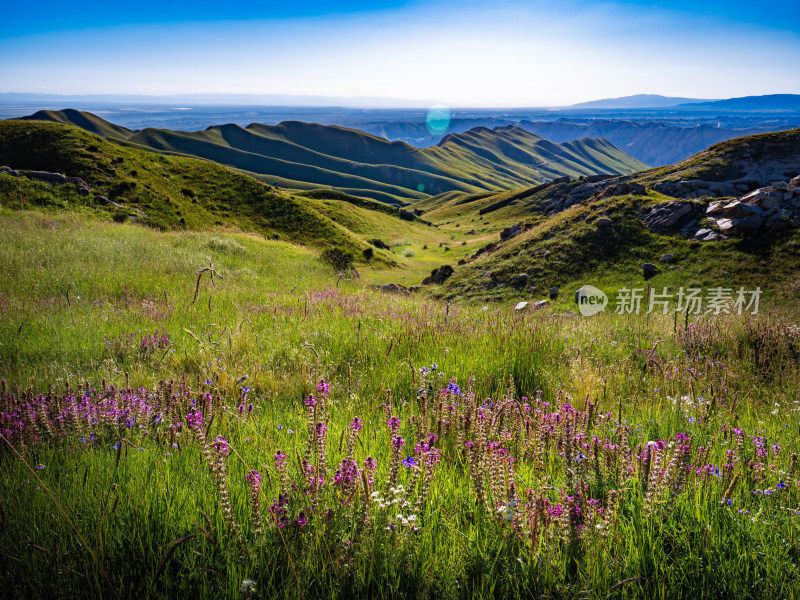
(189, 448)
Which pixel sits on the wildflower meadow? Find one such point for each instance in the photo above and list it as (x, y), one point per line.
(278, 432)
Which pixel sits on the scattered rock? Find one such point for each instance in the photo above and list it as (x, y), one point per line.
(778, 225)
(520, 279)
(394, 288)
(738, 210)
(553, 293)
(487, 248)
(742, 226)
(649, 269)
(521, 305)
(380, 244)
(701, 189)
(510, 232)
(540, 304)
(716, 208)
(794, 183)
(780, 186)
(663, 216)
(603, 222)
(619, 189)
(52, 178)
(442, 274)
(667, 258)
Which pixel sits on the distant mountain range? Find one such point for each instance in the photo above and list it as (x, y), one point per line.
(780, 102)
(638, 101)
(768, 102)
(305, 156)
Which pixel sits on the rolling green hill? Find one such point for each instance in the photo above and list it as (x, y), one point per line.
(602, 238)
(171, 192)
(309, 155)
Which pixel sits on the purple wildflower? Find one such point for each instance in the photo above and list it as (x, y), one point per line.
(254, 479)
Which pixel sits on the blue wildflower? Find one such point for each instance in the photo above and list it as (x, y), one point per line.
(454, 389)
(409, 462)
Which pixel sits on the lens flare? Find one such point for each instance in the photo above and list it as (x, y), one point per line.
(438, 119)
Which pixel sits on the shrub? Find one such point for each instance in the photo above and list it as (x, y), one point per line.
(226, 245)
(338, 258)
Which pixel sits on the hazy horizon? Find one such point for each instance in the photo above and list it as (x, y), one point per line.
(516, 54)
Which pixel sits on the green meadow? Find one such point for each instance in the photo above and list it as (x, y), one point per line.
(165, 432)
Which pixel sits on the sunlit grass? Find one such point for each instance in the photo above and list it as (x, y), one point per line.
(109, 516)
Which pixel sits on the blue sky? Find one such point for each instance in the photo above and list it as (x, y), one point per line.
(465, 53)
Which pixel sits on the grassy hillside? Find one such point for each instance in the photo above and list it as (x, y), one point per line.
(762, 158)
(351, 160)
(166, 192)
(569, 249)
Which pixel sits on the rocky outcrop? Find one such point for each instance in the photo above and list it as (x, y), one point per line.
(697, 188)
(772, 209)
(50, 178)
(595, 187)
(661, 217)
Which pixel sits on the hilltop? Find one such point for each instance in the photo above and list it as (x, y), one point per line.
(301, 155)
